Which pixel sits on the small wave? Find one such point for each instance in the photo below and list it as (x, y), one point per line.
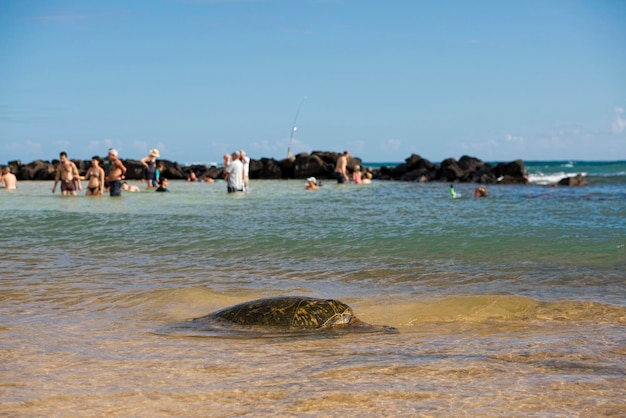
(546, 179)
(489, 308)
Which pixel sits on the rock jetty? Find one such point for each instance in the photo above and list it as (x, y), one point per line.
(316, 164)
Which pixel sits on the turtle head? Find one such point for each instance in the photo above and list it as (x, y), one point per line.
(340, 319)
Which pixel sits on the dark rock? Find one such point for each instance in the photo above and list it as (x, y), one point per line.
(511, 173)
(214, 172)
(256, 168)
(476, 171)
(134, 169)
(307, 165)
(393, 173)
(415, 168)
(577, 180)
(329, 157)
(317, 164)
(272, 169)
(320, 165)
(37, 170)
(485, 176)
(171, 170)
(451, 171)
(470, 164)
(199, 170)
(82, 165)
(15, 167)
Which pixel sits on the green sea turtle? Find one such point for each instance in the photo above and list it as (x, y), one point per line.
(291, 313)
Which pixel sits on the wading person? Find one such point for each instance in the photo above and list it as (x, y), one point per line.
(67, 174)
(117, 173)
(341, 169)
(234, 174)
(95, 177)
(8, 179)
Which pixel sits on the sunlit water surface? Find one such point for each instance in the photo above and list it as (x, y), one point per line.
(513, 305)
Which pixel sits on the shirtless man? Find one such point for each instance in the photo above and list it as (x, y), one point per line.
(341, 169)
(8, 180)
(67, 174)
(117, 173)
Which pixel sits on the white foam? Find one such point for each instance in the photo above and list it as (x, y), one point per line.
(541, 178)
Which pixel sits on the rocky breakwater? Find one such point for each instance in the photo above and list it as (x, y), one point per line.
(465, 170)
(318, 164)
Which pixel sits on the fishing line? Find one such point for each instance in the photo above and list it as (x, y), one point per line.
(294, 128)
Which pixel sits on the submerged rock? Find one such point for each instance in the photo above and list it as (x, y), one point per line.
(577, 180)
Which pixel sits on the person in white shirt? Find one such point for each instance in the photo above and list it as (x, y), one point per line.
(234, 174)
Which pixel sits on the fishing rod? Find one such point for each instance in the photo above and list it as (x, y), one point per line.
(294, 128)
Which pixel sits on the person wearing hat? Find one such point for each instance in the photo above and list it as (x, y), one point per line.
(149, 163)
(311, 184)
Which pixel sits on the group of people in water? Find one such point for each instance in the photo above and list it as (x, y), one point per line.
(236, 173)
(341, 174)
(152, 169)
(99, 181)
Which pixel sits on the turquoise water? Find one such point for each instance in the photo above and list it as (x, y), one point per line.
(597, 172)
(514, 304)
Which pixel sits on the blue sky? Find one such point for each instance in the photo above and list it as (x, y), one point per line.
(497, 80)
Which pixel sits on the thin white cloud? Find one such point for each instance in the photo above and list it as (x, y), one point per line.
(486, 150)
(265, 147)
(141, 147)
(94, 148)
(31, 148)
(619, 124)
(113, 143)
(357, 146)
(510, 138)
(62, 145)
(391, 145)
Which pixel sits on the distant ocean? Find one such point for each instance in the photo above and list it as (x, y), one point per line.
(511, 305)
(550, 172)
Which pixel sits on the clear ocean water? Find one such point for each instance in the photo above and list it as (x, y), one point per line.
(512, 305)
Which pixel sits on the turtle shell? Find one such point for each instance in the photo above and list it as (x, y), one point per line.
(288, 312)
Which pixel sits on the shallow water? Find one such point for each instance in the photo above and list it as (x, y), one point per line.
(511, 305)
